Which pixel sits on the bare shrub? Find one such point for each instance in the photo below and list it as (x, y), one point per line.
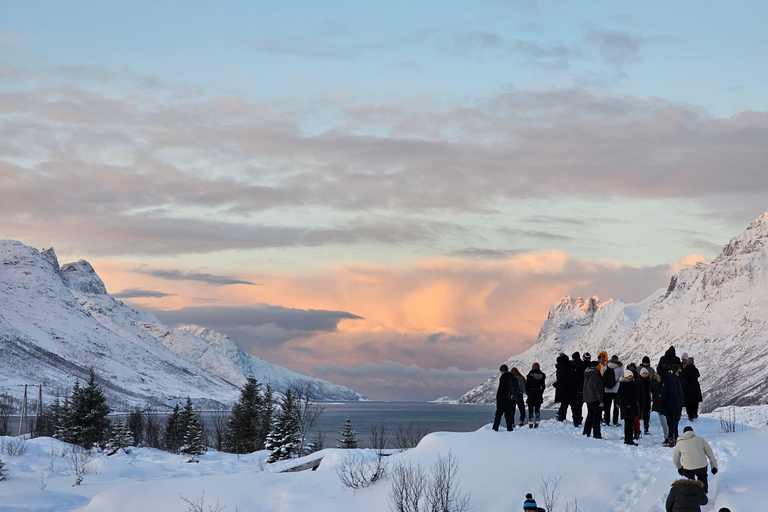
(408, 485)
(550, 494)
(198, 504)
(153, 428)
(358, 472)
(728, 422)
(379, 437)
(572, 506)
(16, 448)
(218, 428)
(307, 411)
(80, 461)
(444, 493)
(409, 437)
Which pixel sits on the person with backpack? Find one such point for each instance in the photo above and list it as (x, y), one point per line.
(612, 371)
(563, 386)
(519, 398)
(593, 396)
(535, 383)
(505, 399)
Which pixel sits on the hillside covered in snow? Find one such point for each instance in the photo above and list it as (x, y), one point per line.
(58, 321)
(716, 312)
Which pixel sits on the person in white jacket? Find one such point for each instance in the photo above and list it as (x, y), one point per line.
(694, 452)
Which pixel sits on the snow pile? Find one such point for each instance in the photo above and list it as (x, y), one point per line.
(497, 469)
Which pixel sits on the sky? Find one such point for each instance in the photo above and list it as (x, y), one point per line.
(387, 196)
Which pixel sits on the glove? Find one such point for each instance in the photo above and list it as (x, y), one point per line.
(680, 471)
(714, 471)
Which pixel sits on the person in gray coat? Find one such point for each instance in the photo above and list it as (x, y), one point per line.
(594, 397)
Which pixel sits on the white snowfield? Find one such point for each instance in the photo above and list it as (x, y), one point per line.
(497, 469)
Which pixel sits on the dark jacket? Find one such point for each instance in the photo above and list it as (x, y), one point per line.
(669, 404)
(668, 359)
(593, 385)
(680, 393)
(645, 393)
(686, 496)
(627, 397)
(577, 371)
(691, 387)
(505, 381)
(535, 382)
(564, 390)
(655, 388)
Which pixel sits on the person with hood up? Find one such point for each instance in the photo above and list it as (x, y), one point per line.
(577, 402)
(611, 391)
(593, 396)
(519, 398)
(627, 400)
(686, 495)
(563, 385)
(505, 405)
(690, 457)
(691, 388)
(668, 359)
(535, 383)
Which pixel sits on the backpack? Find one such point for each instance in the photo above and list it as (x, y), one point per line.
(609, 377)
(513, 389)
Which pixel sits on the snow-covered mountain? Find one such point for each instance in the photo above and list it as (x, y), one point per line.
(57, 322)
(716, 312)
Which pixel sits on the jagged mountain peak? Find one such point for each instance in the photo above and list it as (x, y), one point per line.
(753, 239)
(81, 277)
(50, 257)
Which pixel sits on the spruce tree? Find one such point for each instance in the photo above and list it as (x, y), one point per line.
(193, 440)
(245, 428)
(173, 437)
(283, 439)
(348, 438)
(120, 438)
(89, 413)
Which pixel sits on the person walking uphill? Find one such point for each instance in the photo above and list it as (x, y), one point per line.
(535, 383)
(694, 452)
(686, 496)
(505, 401)
(593, 396)
(563, 385)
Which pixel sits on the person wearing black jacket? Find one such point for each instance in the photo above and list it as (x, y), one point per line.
(505, 405)
(627, 397)
(691, 388)
(645, 403)
(668, 359)
(686, 496)
(577, 402)
(535, 383)
(669, 404)
(563, 385)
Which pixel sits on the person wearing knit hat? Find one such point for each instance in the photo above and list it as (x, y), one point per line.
(627, 399)
(689, 376)
(530, 504)
(645, 402)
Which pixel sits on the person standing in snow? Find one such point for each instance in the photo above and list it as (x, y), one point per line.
(686, 495)
(519, 398)
(645, 403)
(577, 402)
(669, 406)
(627, 400)
(668, 359)
(611, 391)
(563, 386)
(694, 452)
(593, 396)
(504, 404)
(691, 388)
(535, 383)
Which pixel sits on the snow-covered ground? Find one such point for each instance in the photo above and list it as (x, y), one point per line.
(497, 469)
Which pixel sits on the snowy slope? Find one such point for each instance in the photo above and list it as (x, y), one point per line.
(496, 470)
(55, 323)
(715, 312)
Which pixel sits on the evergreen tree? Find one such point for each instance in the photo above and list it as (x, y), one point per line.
(348, 438)
(268, 410)
(283, 438)
(136, 424)
(173, 437)
(193, 440)
(89, 412)
(245, 428)
(120, 438)
(65, 430)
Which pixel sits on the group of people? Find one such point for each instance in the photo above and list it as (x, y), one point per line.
(611, 390)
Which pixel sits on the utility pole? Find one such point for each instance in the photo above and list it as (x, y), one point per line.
(39, 411)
